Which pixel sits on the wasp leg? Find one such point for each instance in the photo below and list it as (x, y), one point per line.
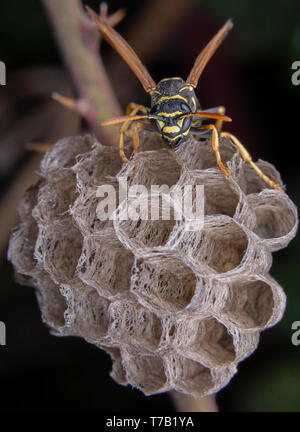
(132, 109)
(121, 148)
(136, 139)
(247, 158)
(215, 146)
(132, 106)
(216, 110)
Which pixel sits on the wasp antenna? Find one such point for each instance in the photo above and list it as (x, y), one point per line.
(123, 49)
(208, 115)
(122, 119)
(207, 53)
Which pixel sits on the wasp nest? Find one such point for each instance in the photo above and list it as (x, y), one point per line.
(174, 308)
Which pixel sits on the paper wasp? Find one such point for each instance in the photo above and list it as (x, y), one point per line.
(174, 111)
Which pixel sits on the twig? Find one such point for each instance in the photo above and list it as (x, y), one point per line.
(79, 38)
(185, 403)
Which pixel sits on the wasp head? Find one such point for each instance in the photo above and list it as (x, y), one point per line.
(171, 101)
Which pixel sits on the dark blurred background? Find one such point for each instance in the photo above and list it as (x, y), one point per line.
(251, 76)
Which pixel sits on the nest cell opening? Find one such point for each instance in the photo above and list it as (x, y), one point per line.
(189, 376)
(219, 247)
(149, 140)
(64, 153)
(21, 247)
(229, 244)
(29, 200)
(105, 264)
(59, 247)
(220, 196)
(88, 312)
(23, 238)
(251, 304)
(146, 373)
(199, 155)
(85, 210)
(275, 215)
(55, 197)
(158, 167)
(97, 166)
(209, 342)
(134, 326)
(164, 283)
(251, 182)
(52, 303)
(146, 223)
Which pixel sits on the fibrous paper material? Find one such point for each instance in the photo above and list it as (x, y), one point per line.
(175, 309)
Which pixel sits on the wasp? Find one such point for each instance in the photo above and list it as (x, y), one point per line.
(175, 110)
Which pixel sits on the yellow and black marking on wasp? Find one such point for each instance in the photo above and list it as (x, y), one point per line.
(175, 110)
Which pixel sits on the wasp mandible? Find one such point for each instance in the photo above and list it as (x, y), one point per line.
(175, 110)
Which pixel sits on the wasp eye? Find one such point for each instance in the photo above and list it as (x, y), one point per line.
(184, 108)
(155, 109)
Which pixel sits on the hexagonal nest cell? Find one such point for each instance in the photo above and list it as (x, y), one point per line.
(189, 376)
(147, 373)
(137, 230)
(58, 248)
(252, 303)
(164, 284)
(134, 327)
(175, 309)
(105, 264)
(218, 248)
(206, 341)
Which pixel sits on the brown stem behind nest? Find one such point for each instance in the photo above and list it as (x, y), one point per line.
(79, 39)
(186, 403)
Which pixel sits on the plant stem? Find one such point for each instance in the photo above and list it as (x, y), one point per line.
(185, 403)
(79, 40)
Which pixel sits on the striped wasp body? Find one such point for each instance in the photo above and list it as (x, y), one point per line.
(174, 111)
